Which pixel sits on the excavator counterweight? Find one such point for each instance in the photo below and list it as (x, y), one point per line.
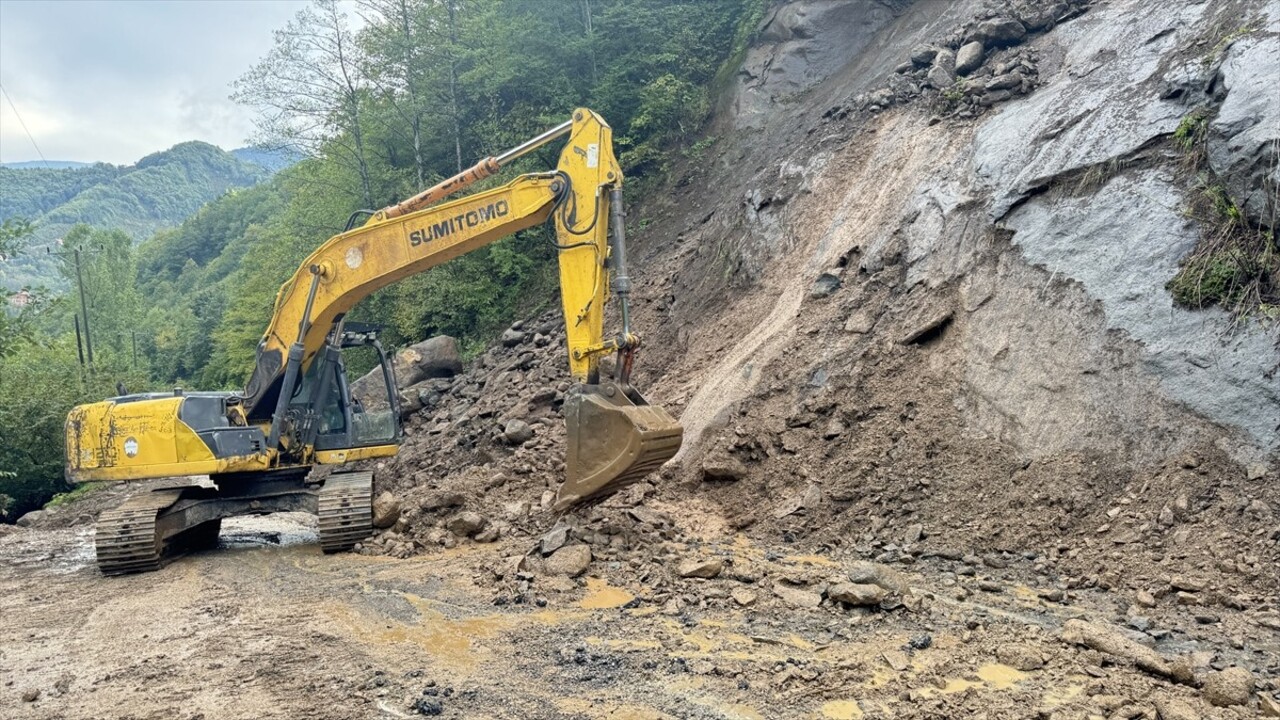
(298, 411)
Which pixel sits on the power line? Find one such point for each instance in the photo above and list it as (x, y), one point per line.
(24, 125)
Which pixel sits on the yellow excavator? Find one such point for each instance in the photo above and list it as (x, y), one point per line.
(253, 452)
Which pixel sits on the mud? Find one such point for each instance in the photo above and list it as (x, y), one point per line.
(268, 627)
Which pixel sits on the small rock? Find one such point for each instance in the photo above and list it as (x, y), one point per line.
(869, 573)
(913, 534)
(860, 322)
(922, 55)
(797, 597)
(30, 695)
(1233, 686)
(1001, 31)
(1145, 599)
(1020, 657)
(1170, 708)
(826, 284)
(723, 468)
(569, 561)
(443, 499)
(833, 430)
(856, 594)
(428, 706)
(743, 597)
(1004, 82)
(488, 535)
(1167, 518)
(512, 338)
(466, 523)
(386, 510)
(1256, 471)
(1268, 706)
(969, 58)
(1190, 584)
(517, 432)
(553, 540)
(896, 660)
(701, 568)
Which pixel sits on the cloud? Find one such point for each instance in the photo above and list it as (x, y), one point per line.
(114, 81)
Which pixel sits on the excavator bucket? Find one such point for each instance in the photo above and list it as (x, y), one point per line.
(615, 438)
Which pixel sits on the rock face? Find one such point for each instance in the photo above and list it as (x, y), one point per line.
(1244, 137)
(801, 43)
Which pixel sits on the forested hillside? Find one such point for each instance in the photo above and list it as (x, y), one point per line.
(160, 190)
(422, 89)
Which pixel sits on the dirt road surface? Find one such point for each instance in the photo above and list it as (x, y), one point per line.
(267, 626)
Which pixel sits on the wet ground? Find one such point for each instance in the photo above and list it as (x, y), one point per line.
(269, 627)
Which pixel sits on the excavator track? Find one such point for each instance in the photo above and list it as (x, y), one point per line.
(126, 539)
(346, 510)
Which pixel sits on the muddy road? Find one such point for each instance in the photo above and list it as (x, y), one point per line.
(269, 627)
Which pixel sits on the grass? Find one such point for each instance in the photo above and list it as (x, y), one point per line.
(1236, 264)
(68, 497)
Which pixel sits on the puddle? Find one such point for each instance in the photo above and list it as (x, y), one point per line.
(993, 676)
(842, 710)
(601, 595)
(277, 529)
(1057, 696)
(1000, 677)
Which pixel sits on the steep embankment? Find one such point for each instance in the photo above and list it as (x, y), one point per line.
(913, 303)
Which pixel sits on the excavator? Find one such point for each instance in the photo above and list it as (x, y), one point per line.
(226, 454)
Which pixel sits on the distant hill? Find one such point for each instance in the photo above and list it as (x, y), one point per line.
(45, 164)
(273, 160)
(160, 190)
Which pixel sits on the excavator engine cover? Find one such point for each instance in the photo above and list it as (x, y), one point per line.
(614, 439)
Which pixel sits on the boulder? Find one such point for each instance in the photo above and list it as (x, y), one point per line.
(466, 523)
(857, 593)
(1000, 32)
(569, 561)
(512, 337)
(700, 568)
(922, 55)
(826, 284)
(386, 510)
(1233, 686)
(435, 357)
(969, 58)
(517, 432)
(723, 468)
(31, 519)
(1020, 657)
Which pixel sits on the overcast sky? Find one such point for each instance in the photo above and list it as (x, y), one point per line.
(113, 81)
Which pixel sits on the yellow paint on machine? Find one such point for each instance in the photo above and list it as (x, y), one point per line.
(110, 441)
(338, 457)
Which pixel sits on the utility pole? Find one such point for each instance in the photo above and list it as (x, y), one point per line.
(84, 304)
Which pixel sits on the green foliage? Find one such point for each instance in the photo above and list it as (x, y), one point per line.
(162, 190)
(1190, 132)
(80, 491)
(1236, 264)
(39, 383)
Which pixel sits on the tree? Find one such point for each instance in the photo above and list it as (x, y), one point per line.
(310, 88)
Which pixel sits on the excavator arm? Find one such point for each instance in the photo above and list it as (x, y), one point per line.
(614, 436)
